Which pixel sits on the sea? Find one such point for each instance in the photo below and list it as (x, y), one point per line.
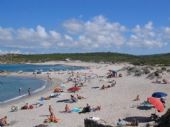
(10, 85)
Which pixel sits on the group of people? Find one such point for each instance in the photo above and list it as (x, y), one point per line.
(107, 86)
(20, 91)
(52, 117)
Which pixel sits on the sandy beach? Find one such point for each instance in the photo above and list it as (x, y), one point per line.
(116, 102)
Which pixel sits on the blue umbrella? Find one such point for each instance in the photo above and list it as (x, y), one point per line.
(159, 94)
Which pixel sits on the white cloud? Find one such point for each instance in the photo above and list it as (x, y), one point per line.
(146, 37)
(149, 25)
(6, 34)
(73, 26)
(41, 32)
(96, 33)
(68, 38)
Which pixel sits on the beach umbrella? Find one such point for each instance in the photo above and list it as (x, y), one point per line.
(74, 89)
(159, 94)
(156, 103)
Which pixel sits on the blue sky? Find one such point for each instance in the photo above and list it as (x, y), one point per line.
(52, 26)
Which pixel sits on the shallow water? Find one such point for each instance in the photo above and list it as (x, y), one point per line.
(33, 67)
(9, 86)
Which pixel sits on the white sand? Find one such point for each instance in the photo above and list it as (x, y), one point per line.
(116, 102)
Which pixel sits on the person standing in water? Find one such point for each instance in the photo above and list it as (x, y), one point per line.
(20, 90)
(29, 91)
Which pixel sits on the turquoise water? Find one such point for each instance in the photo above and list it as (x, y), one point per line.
(9, 85)
(33, 67)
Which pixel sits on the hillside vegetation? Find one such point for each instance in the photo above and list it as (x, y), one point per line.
(161, 59)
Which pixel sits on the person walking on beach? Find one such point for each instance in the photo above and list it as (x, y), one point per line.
(20, 90)
(29, 91)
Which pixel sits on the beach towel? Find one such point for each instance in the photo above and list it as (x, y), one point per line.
(76, 110)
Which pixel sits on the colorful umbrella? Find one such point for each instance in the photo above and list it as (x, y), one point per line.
(159, 94)
(74, 89)
(156, 103)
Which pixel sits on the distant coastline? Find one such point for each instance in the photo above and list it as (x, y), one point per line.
(155, 59)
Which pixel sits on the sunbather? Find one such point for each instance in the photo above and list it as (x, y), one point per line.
(73, 98)
(52, 118)
(57, 90)
(97, 108)
(27, 106)
(80, 97)
(3, 121)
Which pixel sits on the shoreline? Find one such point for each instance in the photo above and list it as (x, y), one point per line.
(36, 92)
(25, 96)
(116, 102)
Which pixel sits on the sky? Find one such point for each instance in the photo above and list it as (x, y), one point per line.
(69, 26)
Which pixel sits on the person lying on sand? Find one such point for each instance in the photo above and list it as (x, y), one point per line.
(27, 106)
(52, 118)
(97, 108)
(137, 98)
(108, 86)
(80, 97)
(3, 121)
(73, 98)
(57, 90)
(157, 81)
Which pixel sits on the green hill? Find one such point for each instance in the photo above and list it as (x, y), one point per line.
(161, 59)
